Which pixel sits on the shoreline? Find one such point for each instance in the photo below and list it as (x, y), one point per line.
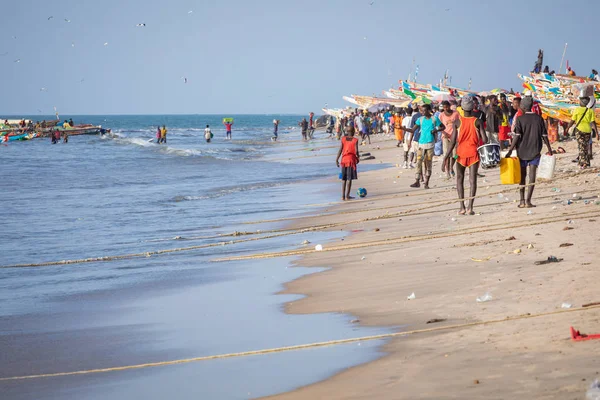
(150, 320)
(378, 297)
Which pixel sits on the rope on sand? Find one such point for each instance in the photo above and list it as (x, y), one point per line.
(153, 253)
(299, 347)
(405, 239)
(269, 235)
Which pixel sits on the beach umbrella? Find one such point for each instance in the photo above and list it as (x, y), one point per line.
(498, 91)
(470, 95)
(379, 107)
(421, 100)
(443, 97)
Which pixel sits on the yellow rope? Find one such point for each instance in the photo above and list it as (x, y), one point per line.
(270, 234)
(298, 347)
(405, 239)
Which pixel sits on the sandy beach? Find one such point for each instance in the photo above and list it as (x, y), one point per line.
(449, 261)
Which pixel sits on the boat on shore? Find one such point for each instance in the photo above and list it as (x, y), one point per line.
(86, 129)
(20, 136)
(13, 134)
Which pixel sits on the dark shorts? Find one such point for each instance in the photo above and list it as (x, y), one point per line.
(349, 174)
(228, 132)
(526, 163)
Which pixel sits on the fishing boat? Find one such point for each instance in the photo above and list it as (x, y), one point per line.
(18, 136)
(81, 130)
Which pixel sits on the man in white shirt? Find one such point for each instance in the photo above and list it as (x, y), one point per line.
(207, 134)
(406, 123)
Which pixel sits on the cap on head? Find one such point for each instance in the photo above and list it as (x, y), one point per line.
(467, 103)
(527, 103)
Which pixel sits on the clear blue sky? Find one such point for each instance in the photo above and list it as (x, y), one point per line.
(271, 56)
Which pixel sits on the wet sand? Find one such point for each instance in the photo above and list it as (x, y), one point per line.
(448, 269)
(189, 308)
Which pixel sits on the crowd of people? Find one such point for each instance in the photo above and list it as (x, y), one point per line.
(456, 129)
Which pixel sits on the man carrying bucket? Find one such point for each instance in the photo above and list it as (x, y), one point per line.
(469, 136)
(530, 135)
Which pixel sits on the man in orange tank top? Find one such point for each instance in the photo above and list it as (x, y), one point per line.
(350, 158)
(468, 137)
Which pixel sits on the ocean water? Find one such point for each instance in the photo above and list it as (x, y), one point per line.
(123, 193)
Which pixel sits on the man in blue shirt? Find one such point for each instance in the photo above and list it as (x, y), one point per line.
(429, 126)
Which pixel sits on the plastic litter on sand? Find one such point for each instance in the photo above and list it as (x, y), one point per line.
(593, 393)
(486, 297)
(318, 247)
(566, 305)
(412, 296)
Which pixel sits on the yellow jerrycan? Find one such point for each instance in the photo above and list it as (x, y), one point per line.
(510, 171)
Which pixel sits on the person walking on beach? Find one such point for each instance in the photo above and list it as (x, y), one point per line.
(396, 125)
(530, 135)
(429, 126)
(407, 145)
(350, 159)
(469, 136)
(208, 134)
(163, 134)
(303, 127)
(504, 126)
(493, 115)
(311, 125)
(363, 128)
(338, 127)
(516, 105)
(228, 125)
(366, 128)
(450, 119)
(583, 118)
(275, 129)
